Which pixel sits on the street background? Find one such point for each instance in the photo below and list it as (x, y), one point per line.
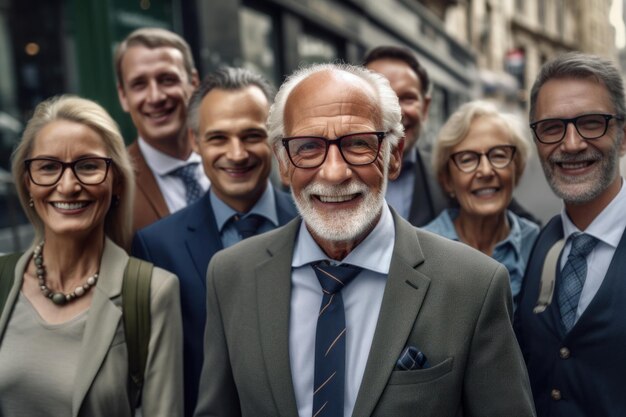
(472, 49)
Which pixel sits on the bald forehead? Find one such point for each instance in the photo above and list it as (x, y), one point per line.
(332, 93)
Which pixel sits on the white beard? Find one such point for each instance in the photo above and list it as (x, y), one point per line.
(342, 225)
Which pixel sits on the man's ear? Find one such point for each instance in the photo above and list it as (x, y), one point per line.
(284, 166)
(426, 107)
(622, 147)
(395, 160)
(195, 79)
(192, 138)
(121, 94)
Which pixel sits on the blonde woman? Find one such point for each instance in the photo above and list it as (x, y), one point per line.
(62, 345)
(478, 157)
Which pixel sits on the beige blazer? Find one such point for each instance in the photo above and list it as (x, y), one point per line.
(101, 381)
(443, 297)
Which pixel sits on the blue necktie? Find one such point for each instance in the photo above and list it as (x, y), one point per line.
(187, 173)
(573, 277)
(247, 226)
(330, 340)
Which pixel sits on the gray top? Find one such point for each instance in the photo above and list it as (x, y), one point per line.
(37, 379)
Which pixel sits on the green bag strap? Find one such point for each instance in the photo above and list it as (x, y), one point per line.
(7, 274)
(136, 313)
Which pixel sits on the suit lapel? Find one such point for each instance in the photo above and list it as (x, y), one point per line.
(203, 237)
(102, 322)
(273, 278)
(146, 182)
(404, 293)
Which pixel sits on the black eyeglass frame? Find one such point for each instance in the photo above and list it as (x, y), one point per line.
(337, 141)
(574, 120)
(480, 156)
(65, 165)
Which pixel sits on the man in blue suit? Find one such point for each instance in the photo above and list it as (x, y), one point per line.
(227, 124)
(573, 337)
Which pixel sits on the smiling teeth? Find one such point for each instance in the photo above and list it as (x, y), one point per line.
(69, 206)
(335, 198)
(573, 165)
(485, 191)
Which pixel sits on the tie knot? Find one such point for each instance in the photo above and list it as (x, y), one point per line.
(333, 278)
(185, 172)
(247, 226)
(582, 244)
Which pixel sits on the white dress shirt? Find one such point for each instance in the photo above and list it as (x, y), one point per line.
(362, 299)
(608, 228)
(172, 188)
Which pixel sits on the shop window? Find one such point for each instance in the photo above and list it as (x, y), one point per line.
(258, 42)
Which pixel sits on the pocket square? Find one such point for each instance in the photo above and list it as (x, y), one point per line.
(411, 359)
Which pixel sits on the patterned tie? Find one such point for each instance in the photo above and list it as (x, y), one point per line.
(247, 226)
(573, 277)
(187, 173)
(330, 340)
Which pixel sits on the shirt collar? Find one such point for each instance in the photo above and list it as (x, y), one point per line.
(265, 206)
(162, 164)
(373, 253)
(608, 226)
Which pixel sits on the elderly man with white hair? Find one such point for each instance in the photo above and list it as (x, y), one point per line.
(351, 311)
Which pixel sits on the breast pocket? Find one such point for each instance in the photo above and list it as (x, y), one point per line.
(426, 392)
(421, 375)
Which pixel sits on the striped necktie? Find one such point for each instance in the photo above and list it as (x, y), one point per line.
(330, 340)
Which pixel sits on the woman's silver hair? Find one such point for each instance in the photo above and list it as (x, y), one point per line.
(390, 113)
(455, 130)
(580, 66)
(118, 221)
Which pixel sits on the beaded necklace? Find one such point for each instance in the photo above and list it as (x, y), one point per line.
(58, 298)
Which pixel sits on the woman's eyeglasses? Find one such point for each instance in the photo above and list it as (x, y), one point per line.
(88, 171)
(498, 156)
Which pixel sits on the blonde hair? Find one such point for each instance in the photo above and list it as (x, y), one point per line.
(456, 128)
(118, 221)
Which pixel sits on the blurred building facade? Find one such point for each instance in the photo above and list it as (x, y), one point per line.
(513, 38)
(51, 47)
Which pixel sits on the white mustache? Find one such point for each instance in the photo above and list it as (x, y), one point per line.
(340, 190)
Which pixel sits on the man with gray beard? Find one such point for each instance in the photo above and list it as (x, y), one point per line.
(351, 311)
(570, 321)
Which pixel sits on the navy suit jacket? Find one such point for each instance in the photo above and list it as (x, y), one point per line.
(184, 243)
(580, 373)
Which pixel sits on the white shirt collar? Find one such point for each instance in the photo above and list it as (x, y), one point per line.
(608, 226)
(161, 163)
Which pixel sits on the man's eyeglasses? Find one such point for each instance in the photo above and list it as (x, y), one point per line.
(88, 171)
(588, 126)
(498, 156)
(356, 148)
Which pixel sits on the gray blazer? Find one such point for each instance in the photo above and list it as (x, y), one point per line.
(100, 384)
(442, 297)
